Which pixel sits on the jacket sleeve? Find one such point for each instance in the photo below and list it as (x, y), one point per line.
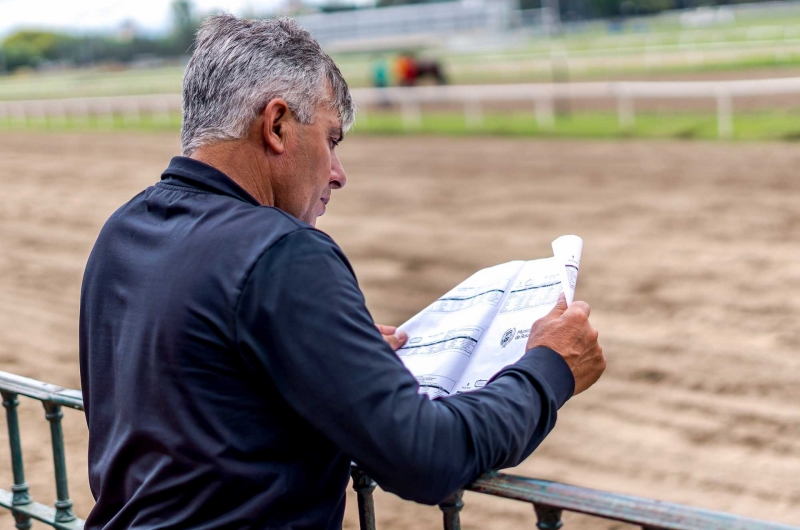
(302, 318)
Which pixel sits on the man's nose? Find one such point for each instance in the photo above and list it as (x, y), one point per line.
(338, 177)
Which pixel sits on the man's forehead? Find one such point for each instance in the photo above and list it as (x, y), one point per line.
(331, 121)
(328, 113)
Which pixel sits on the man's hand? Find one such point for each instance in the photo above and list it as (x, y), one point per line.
(568, 332)
(395, 338)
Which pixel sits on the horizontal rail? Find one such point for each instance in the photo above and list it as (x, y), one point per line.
(92, 105)
(587, 90)
(625, 508)
(32, 388)
(39, 512)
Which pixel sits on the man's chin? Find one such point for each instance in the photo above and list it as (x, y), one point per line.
(321, 209)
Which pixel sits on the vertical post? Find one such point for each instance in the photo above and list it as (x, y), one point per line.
(625, 113)
(26, 114)
(473, 114)
(81, 113)
(20, 496)
(364, 487)
(63, 503)
(559, 65)
(547, 517)
(46, 115)
(412, 116)
(545, 117)
(131, 114)
(59, 114)
(451, 509)
(22, 115)
(107, 112)
(724, 114)
(162, 114)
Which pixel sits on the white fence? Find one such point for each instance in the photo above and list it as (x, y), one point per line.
(543, 97)
(473, 98)
(159, 107)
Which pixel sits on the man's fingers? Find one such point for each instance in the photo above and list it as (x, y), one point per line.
(397, 340)
(386, 330)
(559, 308)
(579, 307)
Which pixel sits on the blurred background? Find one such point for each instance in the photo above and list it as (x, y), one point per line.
(661, 131)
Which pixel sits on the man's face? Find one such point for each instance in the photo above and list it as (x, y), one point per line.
(312, 167)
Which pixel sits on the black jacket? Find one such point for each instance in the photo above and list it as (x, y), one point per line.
(231, 372)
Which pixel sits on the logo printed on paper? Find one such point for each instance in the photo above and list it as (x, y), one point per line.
(507, 336)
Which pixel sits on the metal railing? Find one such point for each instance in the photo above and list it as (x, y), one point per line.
(542, 96)
(549, 499)
(18, 500)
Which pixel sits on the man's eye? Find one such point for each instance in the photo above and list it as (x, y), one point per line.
(334, 142)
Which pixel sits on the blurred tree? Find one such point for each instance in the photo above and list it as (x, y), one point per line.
(334, 6)
(32, 48)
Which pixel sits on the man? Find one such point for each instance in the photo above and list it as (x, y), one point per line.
(230, 369)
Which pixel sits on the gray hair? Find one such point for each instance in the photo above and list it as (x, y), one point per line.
(239, 66)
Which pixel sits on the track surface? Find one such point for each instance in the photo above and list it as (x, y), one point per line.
(689, 264)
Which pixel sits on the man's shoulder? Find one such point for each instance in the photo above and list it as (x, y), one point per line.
(216, 216)
(172, 225)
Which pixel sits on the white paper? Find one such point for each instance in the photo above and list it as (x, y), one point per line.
(567, 249)
(482, 325)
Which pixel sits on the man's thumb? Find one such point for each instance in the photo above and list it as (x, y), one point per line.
(559, 308)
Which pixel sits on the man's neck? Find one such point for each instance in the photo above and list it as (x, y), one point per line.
(236, 159)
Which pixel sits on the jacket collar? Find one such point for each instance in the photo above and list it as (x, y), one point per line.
(184, 171)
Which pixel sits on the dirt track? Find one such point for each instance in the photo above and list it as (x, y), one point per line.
(689, 263)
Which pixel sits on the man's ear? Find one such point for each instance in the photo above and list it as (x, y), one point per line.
(277, 118)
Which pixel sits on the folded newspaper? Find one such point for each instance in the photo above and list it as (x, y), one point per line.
(482, 325)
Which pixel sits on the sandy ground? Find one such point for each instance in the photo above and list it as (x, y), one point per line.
(690, 265)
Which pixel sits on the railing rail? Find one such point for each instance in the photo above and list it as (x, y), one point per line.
(160, 107)
(549, 499)
(18, 500)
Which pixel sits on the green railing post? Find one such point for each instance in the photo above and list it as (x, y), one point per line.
(547, 517)
(364, 487)
(451, 510)
(20, 496)
(63, 503)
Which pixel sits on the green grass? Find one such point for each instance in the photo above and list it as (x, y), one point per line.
(146, 123)
(756, 126)
(747, 126)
